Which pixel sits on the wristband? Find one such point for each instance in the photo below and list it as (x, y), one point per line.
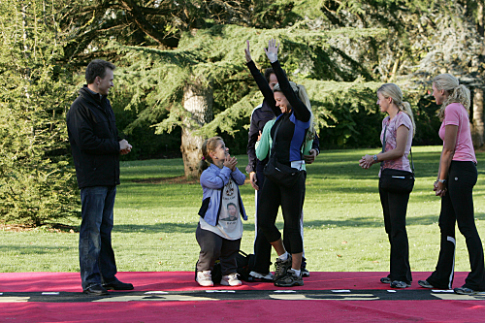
(374, 157)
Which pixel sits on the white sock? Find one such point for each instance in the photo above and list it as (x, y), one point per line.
(297, 272)
(283, 256)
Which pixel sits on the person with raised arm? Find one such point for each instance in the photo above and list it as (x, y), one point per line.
(291, 129)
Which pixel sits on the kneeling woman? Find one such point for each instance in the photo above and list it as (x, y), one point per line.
(291, 105)
(397, 135)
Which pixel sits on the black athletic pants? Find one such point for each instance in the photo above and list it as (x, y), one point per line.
(457, 206)
(291, 201)
(262, 247)
(394, 207)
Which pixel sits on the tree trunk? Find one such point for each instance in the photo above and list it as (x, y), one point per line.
(477, 118)
(477, 127)
(198, 103)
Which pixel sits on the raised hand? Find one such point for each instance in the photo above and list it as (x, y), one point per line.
(247, 52)
(272, 50)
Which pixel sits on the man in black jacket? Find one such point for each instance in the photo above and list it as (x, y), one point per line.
(96, 148)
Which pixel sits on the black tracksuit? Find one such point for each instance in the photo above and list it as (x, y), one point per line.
(272, 195)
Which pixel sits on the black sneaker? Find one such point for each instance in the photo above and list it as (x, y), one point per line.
(467, 291)
(399, 284)
(386, 280)
(304, 271)
(281, 267)
(425, 284)
(291, 279)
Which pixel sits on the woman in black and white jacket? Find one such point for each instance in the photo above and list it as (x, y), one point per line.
(291, 105)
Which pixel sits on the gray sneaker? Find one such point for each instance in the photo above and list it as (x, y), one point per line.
(467, 291)
(291, 279)
(399, 284)
(425, 284)
(281, 267)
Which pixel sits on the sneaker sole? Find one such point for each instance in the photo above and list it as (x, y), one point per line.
(425, 285)
(205, 285)
(289, 285)
(227, 284)
(475, 293)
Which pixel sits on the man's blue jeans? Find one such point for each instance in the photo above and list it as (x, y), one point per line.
(96, 255)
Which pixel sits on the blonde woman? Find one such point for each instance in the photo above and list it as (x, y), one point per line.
(457, 174)
(398, 129)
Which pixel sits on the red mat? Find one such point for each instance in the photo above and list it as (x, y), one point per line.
(121, 309)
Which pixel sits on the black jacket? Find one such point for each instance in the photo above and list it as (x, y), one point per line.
(94, 140)
(260, 116)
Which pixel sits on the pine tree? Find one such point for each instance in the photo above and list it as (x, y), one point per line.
(36, 182)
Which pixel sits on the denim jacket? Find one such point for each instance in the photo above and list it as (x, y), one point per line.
(213, 180)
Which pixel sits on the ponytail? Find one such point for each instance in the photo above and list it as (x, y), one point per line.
(406, 108)
(457, 93)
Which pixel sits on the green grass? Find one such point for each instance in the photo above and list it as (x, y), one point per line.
(155, 223)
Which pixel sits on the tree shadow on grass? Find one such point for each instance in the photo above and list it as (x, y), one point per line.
(24, 250)
(166, 228)
(372, 222)
(357, 222)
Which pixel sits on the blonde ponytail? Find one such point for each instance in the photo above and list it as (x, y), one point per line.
(456, 93)
(303, 95)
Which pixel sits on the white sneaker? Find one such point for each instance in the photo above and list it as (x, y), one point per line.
(267, 277)
(204, 278)
(231, 280)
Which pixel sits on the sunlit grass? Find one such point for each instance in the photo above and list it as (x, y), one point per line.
(155, 222)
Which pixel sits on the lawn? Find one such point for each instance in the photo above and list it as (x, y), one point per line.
(156, 217)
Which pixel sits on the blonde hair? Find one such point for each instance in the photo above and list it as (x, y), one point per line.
(303, 96)
(391, 90)
(208, 146)
(456, 93)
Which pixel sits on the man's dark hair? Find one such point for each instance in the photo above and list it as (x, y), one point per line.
(268, 72)
(97, 67)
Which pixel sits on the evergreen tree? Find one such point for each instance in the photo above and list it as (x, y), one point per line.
(210, 61)
(36, 182)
